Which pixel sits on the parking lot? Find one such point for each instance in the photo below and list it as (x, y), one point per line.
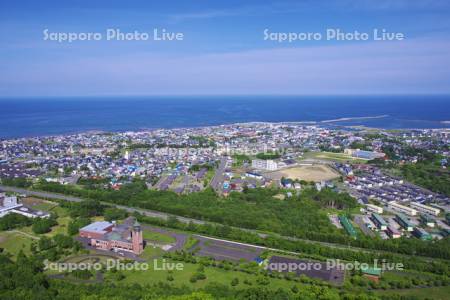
(225, 250)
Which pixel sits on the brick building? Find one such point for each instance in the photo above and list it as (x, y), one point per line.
(115, 237)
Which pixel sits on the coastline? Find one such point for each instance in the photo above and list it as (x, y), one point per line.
(324, 124)
(50, 117)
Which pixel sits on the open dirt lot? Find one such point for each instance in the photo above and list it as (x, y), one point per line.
(309, 173)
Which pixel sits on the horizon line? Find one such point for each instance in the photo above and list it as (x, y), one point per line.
(220, 95)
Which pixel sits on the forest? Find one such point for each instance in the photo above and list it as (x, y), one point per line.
(303, 216)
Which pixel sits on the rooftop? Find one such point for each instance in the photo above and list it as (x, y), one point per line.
(371, 271)
(98, 227)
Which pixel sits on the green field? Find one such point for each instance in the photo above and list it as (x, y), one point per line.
(60, 228)
(39, 204)
(21, 238)
(436, 293)
(158, 237)
(213, 274)
(151, 252)
(13, 242)
(88, 258)
(190, 242)
(340, 157)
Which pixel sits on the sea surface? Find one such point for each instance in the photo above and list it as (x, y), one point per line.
(26, 117)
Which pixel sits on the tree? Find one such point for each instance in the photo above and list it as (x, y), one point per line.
(74, 225)
(112, 213)
(235, 281)
(45, 243)
(43, 225)
(63, 241)
(13, 220)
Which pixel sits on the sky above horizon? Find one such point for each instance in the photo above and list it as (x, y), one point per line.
(223, 51)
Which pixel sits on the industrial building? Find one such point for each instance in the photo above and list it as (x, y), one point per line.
(427, 220)
(379, 221)
(347, 226)
(422, 234)
(393, 233)
(425, 209)
(364, 154)
(403, 209)
(254, 175)
(403, 221)
(374, 208)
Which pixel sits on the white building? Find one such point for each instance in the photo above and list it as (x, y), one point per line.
(7, 204)
(30, 213)
(403, 209)
(263, 164)
(10, 205)
(254, 175)
(425, 209)
(374, 208)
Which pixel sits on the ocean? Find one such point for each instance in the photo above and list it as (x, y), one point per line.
(27, 117)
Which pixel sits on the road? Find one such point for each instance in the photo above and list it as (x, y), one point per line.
(217, 181)
(203, 237)
(146, 212)
(180, 238)
(165, 216)
(363, 227)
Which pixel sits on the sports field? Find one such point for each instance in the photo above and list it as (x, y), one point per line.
(339, 157)
(315, 173)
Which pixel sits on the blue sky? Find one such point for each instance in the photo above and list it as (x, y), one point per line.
(224, 51)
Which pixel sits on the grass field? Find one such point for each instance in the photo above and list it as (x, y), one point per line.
(60, 228)
(436, 293)
(315, 173)
(63, 218)
(339, 157)
(13, 242)
(151, 252)
(63, 222)
(21, 238)
(158, 237)
(38, 204)
(191, 242)
(213, 274)
(89, 258)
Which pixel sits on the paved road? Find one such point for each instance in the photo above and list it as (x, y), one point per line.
(180, 238)
(365, 230)
(217, 181)
(203, 237)
(160, 181)
(146, 212)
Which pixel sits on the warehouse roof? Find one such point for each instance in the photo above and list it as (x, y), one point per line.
(99, 227)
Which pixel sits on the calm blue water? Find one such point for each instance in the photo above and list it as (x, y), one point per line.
(40, 116)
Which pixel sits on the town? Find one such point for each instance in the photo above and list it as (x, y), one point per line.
(319, 186)
(232, 158)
